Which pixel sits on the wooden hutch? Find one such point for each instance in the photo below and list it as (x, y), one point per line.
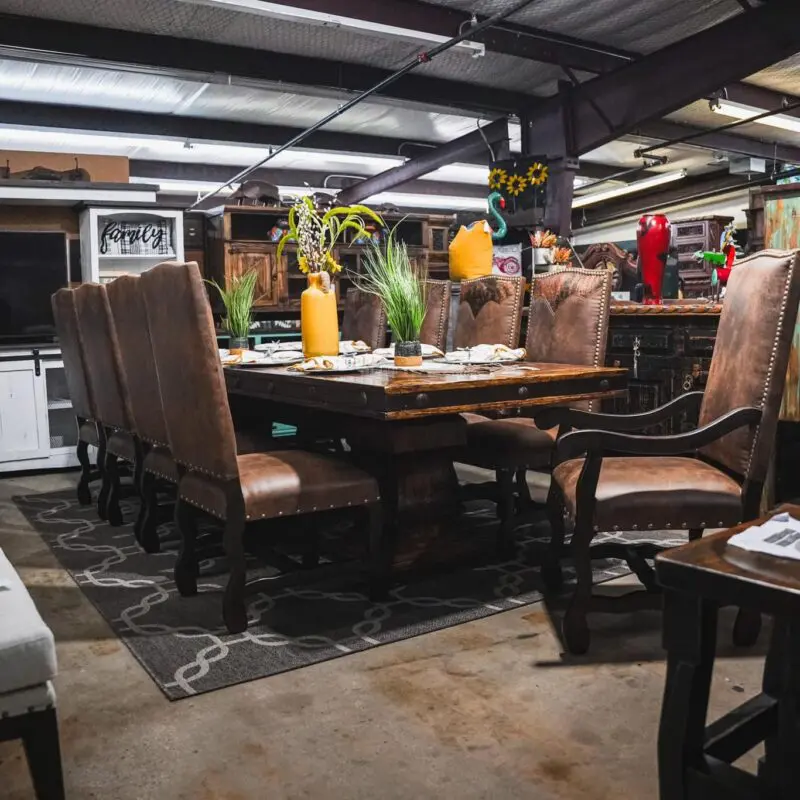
(243, 238)
(689, 236)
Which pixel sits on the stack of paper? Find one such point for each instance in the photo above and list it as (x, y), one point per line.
(779, 536)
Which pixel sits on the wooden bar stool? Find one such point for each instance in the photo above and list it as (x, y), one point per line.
(695, 760)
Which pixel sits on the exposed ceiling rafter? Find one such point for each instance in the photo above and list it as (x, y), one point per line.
(695, 66)
(491, 137)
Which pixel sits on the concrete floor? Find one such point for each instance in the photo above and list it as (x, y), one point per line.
(490, 709)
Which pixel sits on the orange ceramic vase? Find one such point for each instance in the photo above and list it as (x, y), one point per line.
(471, 252)
(319, 321)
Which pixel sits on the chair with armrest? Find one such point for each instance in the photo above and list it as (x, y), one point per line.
(364, 318)
(437, 314)
(107, 379)
(237, 489)
(567, 324)
(607, 479)
(80, 392)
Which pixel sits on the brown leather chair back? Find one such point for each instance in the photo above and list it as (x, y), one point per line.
(103, 363)
(490, 311)
(437, 313)
(193, 395)
(568, 318)
(364, 318)
(72, 354)
(133, 334)
(750, 357)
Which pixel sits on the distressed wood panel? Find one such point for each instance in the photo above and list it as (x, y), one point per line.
(782, 232)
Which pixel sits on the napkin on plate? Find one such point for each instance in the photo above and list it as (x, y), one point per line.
(338, 363)
(245, 357)
(485, 353)
(428, 351)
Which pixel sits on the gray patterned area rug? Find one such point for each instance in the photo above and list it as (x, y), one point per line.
(182, 643)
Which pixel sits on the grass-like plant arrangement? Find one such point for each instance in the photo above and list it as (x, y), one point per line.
(238, 301)
(388, 273)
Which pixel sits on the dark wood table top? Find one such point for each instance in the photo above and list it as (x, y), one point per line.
(393, 394)
(711, 567)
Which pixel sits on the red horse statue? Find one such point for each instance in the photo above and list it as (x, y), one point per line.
(653, 236)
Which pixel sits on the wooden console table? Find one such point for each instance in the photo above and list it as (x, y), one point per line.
(695, 760)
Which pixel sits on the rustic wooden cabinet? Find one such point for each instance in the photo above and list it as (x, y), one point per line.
(668, 353)
(243, 257)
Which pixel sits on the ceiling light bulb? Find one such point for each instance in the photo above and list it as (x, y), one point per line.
(629, 188)
(728, 108)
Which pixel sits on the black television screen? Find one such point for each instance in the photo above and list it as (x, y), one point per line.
(32, 267)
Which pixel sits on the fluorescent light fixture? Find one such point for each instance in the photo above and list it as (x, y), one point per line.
(728, 108)
(281, 11)
(629, 188)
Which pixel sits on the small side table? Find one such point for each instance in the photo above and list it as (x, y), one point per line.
(694, 760)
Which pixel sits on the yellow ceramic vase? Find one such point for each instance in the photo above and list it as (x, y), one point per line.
(319, 321)
(471, 252)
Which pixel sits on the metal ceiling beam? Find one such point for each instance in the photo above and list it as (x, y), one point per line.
(609, 106)
(210, 61)
(471, 144)
(82, 118)
(216, 173)
(728, 142)
(509, 38)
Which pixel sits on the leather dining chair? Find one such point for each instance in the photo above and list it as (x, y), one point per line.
(364, 318)
(606, 479)
(106, 377)
(234, 488)
(567, 324)
(128, 310)
(437, 314)
(80, 392)
(490, 311)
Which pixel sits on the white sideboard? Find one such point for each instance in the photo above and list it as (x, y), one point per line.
(38, 429)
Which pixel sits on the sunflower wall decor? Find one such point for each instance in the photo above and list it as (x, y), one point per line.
(522, 182)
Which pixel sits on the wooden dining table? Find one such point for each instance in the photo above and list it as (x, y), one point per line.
(407, 428)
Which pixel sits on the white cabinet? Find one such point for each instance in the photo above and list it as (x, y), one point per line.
(124, 241)
(23, 412)
(38, 429)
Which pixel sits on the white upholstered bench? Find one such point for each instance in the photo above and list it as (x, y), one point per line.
(27, 699)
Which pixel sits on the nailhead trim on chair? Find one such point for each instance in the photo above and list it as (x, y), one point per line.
(298, 511)
(771, 367)
(656, 526)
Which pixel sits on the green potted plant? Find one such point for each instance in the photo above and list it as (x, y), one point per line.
(238, 301)
(388, 273)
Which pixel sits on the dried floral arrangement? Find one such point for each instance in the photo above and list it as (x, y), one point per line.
(316, 234)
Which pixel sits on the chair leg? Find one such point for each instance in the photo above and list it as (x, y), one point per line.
(84, 492)
(185, 570)
(506, 512)
(552, 575)
(747, 628)
(102, 499)
(575, 626)
(234, 610)
(381, 552)
(148, 512)
(138, 479)
(111, 478)
(523, 490)
(695, 533)
(43, 752)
